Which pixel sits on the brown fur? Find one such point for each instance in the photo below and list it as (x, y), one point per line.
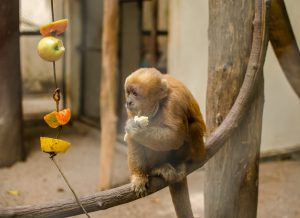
(175, 131)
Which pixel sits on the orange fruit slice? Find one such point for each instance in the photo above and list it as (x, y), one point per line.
(56, 119)
(57, 27)
(52, 145)
(64, 116)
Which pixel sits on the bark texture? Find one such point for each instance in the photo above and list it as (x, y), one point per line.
(11, 144)
(108, 91)
(231, 183)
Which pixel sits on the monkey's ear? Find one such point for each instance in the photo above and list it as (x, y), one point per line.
(164, 87)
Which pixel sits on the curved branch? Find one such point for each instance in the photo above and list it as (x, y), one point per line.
(124, 194)
(284, 44)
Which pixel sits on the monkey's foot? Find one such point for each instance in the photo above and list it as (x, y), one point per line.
(139, 185)
(169, 173)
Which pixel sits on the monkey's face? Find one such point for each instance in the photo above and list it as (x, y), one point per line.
(144, 89)
(133, 98)
(138, 101)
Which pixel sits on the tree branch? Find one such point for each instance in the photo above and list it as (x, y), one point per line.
(124, 194)
(284, 44)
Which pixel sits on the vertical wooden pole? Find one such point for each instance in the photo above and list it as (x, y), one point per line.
(108, 90)
(231, 183)
(154, 43)
(11, 145)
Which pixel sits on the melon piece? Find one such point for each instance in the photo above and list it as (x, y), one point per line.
(52, 145)
(56, 27)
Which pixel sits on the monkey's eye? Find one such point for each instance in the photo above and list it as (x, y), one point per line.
(134, 93)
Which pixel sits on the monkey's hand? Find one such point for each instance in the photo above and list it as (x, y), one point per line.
(139, 184)
(142, 121)
(135, 125)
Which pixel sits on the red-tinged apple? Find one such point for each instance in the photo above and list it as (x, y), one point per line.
(51, 48)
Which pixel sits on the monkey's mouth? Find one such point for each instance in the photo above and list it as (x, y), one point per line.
(131, 108)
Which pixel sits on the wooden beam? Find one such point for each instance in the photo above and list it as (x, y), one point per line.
(284, 44)
(231, 183)
(108, 91)
(11, 144)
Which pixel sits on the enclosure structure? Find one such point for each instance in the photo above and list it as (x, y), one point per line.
(11, 135)
(227, 121)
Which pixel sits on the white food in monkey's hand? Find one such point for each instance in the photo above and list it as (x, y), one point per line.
(142, 121)
(125, 137)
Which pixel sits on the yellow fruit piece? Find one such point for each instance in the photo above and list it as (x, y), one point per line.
(13, 192)
(55, 119)
(52, 145)
(57, 27)
(51, 119)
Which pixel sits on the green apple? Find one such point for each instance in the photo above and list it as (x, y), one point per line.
(51, 48)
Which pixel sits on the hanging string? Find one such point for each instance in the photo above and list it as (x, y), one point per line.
(56, 98)
(69, 185)
(52, 10)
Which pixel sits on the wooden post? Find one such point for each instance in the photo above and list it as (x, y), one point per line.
(154, 43)
(108, 90)
(231, 183)
(11, 144)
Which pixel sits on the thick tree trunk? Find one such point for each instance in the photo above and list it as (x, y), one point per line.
(108, 91)
(11, 147)
(231, 184)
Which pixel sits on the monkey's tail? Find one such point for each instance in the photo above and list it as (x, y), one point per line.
(181, 199)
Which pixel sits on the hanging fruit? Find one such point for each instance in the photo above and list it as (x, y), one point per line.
(51, 48)
(56, 119)
(54, 28)
(52, 145)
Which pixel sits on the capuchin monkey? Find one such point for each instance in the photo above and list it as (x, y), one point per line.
(164, 130)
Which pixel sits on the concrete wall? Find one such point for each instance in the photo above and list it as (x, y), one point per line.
(188, 59)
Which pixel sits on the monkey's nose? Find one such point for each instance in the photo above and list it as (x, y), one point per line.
(129, 103)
